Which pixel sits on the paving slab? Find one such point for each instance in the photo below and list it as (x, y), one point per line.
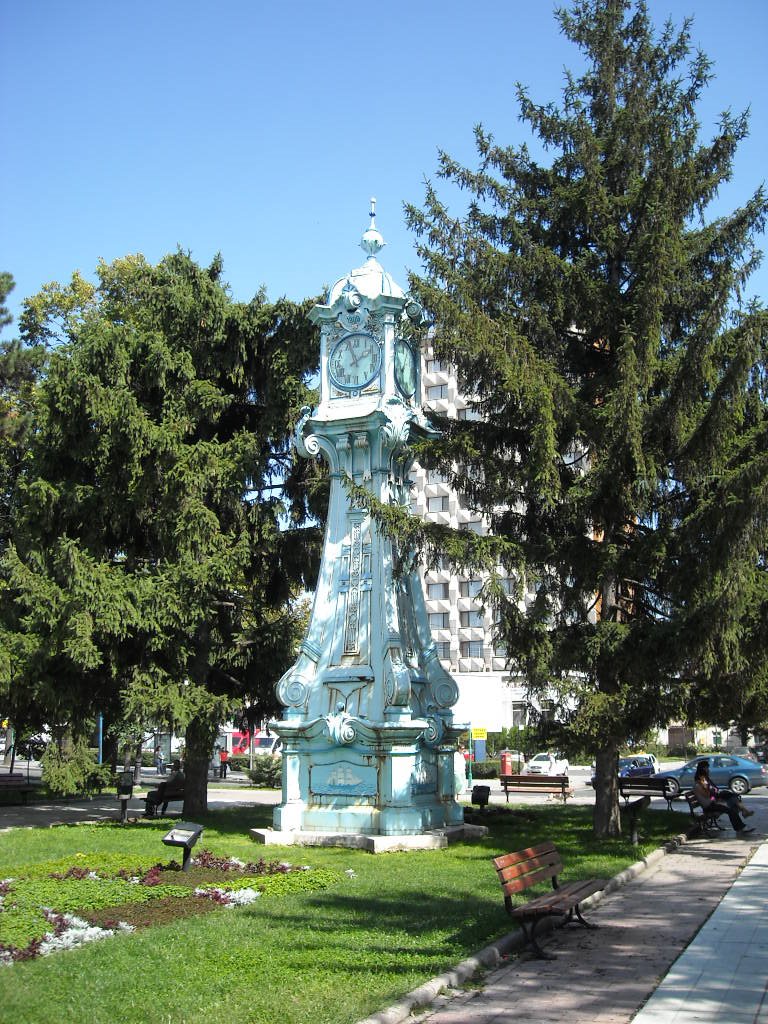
(606, 976)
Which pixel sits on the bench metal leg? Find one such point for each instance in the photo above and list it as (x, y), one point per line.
(586, 924)
(529, 931)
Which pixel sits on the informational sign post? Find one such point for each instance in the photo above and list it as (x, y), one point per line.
(478, 737)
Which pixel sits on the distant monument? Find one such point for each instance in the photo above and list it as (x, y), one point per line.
(368, 732)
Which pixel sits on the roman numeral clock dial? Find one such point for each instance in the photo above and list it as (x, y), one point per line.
(355, 361)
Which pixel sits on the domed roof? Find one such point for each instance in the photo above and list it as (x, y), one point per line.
(371, 279)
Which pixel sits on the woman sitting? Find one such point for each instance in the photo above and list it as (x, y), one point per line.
(713, 799)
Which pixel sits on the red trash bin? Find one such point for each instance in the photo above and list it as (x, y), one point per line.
(506, 762)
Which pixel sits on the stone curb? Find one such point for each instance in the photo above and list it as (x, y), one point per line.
(444, 986)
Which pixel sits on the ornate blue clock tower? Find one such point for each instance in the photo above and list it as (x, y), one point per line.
(368, 733)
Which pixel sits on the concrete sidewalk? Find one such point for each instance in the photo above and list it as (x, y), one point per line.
(43, 814)
(605, 976)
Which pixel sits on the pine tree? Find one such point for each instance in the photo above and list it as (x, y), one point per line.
(596, 316)
(151, 573)
(20, 367)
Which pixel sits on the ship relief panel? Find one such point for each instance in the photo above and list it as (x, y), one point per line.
(343, 778)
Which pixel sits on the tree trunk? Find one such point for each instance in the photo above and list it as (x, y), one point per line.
(200, 737)
(607, 818)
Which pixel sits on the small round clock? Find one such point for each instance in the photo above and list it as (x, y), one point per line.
(355, 360)
(405, 368)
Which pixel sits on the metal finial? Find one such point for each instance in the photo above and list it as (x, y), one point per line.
(372, 241)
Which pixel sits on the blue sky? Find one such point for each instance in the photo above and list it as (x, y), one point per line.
(260, 129)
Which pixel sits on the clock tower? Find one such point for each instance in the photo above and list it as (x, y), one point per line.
(367, 729)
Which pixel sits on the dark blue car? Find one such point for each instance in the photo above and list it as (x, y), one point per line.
(636, 765)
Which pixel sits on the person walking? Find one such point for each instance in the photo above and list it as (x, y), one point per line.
(159, 761)
(223, 762)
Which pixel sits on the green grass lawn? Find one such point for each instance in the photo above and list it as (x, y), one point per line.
(330, 956)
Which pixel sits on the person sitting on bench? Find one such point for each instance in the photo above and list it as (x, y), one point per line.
(713, 799)
(174, 782)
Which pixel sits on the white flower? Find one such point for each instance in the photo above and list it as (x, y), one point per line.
(351, 873)
(236, 898)
(241, 897)
(77, 933)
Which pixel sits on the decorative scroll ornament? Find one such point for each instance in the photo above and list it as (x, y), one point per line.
(292, 692)
(435, 730)
(341, 731)
(307, 447)
(445, 692)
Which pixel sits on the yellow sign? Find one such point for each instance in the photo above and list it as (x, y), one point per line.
(479, 733)
(4, 724)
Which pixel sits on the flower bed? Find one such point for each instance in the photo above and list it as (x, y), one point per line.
(66, 903)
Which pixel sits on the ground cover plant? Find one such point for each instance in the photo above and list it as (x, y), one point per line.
(380, 925)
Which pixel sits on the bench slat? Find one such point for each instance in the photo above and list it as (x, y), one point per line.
(511, 885)
(560, 900)
(520, 856)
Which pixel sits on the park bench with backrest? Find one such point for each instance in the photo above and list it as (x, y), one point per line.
(646, 785)
(15, 782)
(166, 793)
(705, 819)
(521, 870)
(558, 784)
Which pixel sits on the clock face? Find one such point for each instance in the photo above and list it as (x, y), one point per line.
(354, 361)
(405, 368)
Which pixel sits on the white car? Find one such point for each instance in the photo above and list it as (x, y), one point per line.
(546, 764)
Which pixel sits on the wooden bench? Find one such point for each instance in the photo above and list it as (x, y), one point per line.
(706, 819)
(16, 783)
(526, 868)
(646, 785)
(164, 797)
(536, 784)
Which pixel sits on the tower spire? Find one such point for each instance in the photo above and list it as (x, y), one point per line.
(372, 241)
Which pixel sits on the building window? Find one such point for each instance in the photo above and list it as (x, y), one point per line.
(437, 391)
(467, 414)
(443, 650)
(519, 714)
(438, 620)
(471, 618)
(471, 648)
(438, 504)
(437, 591)
(434, 476)
(499, 649)
(474, 525)
(436, 366)
(470, 588)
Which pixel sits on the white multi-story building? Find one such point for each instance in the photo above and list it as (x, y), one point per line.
(490, 695)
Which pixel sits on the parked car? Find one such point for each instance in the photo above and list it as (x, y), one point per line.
(633, 766)
(739, 774)
(546, 764)
(760, 753)
(652, 758)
